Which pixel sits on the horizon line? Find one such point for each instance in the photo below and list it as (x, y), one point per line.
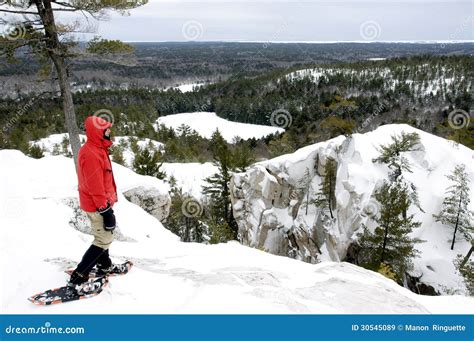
(450, 41)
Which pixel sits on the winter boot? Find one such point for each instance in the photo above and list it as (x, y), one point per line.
(84, 288)
(104, 261)
(115, 269)
(80, 276)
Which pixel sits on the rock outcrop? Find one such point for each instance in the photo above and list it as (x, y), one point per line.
(274, 201)
(152, 200)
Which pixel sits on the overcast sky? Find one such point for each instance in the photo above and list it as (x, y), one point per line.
(292, 20)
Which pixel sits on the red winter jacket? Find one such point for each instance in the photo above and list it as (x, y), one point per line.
(96, 180)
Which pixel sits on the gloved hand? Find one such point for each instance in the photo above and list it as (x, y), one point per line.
(109, 217)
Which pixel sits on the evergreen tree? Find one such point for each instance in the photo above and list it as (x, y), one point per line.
(390, 243)
(242, 156)
(283, 144)
(35, 152)
(465, 266)
(185, 225)
(392, 156)
(220, 232)
(463, 136)
(40, 30)
(390, 247)
(148, 162)
(217, 189)
(455, 208)
(117, 155)
(337, 126)
(326, 198)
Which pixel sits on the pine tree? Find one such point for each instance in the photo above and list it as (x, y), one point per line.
(117, 155)
(40, 30)
(455, 208)
(465, 266)
(217, 189)
(35, 152)
(336, 126)
(242, 156)
(188, 227)
(220, 232)
(326, 198)
(148, 162)
(390, 243)
(392, 156)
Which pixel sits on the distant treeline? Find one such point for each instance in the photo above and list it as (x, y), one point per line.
(325, 100)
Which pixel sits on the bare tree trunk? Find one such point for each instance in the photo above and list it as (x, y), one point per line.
(68, 106)
(330, 196)
(468, 254)
(382, 256)
(56, 54)
(385, 237)
(457, 222)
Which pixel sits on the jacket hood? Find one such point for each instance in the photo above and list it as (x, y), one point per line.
(95, 128)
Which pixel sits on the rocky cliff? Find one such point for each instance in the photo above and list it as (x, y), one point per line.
(273, 202)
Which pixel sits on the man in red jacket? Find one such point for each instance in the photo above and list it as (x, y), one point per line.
(97, 195)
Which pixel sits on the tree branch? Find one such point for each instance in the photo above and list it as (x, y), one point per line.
(17, 12)
(62, 3)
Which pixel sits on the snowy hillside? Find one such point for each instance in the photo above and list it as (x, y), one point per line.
(271, 201)
(38, 243)
(423, 80)
(58, 144)
(189, 176)
(205, 123)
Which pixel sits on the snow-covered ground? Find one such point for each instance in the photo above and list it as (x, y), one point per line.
(206, 123)
(128, 154)
(190, 176)
(58, 144)
(265, 213)
(37, 244)
(189, 87)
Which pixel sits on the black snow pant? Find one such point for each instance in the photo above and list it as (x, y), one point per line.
(94, 256)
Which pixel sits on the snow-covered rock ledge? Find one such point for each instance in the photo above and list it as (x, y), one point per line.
(269, 201)
(149, 193)
(37, 244)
